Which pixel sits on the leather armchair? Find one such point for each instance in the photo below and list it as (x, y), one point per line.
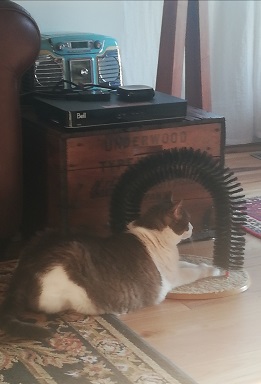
(19, 47)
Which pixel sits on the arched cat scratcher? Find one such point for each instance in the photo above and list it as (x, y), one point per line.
(198, 166)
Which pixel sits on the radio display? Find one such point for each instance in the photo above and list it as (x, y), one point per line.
(79, 44)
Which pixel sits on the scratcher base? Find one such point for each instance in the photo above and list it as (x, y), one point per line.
(211, 287)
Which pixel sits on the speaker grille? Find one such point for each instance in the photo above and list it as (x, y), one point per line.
(48, 71)
(109, 68)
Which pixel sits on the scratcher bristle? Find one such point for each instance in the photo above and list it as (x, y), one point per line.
(198, 166)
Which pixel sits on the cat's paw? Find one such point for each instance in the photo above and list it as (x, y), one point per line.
(209, 270)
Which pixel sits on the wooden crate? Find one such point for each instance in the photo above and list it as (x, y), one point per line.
(78, 170)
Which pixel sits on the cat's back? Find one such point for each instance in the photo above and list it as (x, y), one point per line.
(51, 247)
(121, 256)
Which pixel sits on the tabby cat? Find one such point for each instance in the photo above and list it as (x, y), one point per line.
(93, 276)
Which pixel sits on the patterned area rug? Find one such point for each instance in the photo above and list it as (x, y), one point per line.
(83, 350)
(253, 224)
(257, 155)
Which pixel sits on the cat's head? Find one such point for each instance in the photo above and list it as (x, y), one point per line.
(168, 214)
(178, 219)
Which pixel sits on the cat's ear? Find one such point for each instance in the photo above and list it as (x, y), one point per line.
(178, 210)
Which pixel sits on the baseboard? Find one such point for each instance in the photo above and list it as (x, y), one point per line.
(251, 147)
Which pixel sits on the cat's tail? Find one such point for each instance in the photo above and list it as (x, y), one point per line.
(15, 327)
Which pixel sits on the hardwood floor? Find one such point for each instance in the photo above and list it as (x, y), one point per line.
(215, 341)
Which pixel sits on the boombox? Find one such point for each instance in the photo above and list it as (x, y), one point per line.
(69, 59)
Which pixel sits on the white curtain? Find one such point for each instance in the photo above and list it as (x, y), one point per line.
(235, 55)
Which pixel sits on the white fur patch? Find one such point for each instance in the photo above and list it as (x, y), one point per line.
(187, 234)
(162, 247)
(59, 293)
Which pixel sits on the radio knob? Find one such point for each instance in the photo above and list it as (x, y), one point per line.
(97, 44)
(59, 46)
